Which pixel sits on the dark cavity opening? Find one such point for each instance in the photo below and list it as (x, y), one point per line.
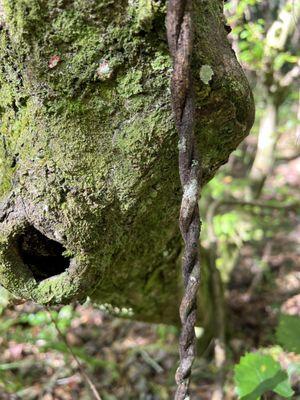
(43, 256)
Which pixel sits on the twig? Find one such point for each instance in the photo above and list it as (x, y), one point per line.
(290, 76)
(150, 361)
(287, 159)
(16, 365)
(80, 367)
(254, 203)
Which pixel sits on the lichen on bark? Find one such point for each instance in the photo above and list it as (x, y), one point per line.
(88, 151)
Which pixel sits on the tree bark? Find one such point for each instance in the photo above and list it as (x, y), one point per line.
(265, 154)
(88, 150)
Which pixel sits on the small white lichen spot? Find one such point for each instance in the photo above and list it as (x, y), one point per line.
(191, 190)
(104, 71)
(189, 197)
(206, 74)
(199, 331)
(182, 144)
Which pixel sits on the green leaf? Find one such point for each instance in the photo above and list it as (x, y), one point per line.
(283, 58)
(288, 332)
(257, 374)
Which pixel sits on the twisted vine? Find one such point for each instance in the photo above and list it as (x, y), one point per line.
(180, 39)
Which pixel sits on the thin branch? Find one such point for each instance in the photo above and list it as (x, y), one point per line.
(255, 203)
(287, 159)
(80, 367)
(150, 361)
(290, 76)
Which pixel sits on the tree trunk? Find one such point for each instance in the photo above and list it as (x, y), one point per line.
(88, 150)
(265, 154)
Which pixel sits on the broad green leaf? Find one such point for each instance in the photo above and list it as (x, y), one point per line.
(288, 333)
(257, 374)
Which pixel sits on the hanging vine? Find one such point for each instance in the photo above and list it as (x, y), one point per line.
(180, 39)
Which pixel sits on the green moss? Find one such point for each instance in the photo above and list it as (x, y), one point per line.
(68, 123)
(94, 157)
(130, 84)
(81, 42)
(145, 13)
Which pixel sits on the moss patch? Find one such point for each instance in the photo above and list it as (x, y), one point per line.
(88, 139)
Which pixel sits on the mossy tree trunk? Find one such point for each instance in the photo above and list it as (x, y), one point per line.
(88, 152)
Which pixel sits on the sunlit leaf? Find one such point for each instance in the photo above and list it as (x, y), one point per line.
(257, 374)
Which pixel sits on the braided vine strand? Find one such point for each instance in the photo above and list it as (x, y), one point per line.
(180, 40)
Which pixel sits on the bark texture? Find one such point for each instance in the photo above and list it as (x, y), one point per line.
(265, 154)
(88, 151)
